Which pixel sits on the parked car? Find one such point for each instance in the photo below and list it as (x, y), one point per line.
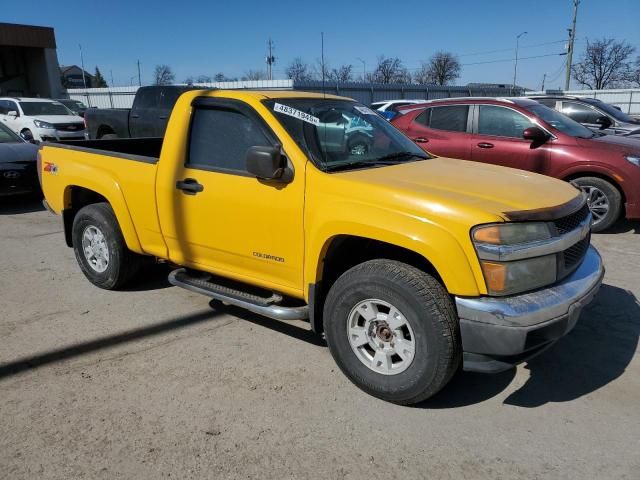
(525, 134)
(388, 108)
(76, 106)
(40, 119)
(593, 113)
(410, 265)
(17, 164)
(147, 118)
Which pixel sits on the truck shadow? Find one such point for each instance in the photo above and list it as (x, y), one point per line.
(20, 204)
(594, 354)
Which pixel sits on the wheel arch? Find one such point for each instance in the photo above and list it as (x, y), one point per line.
(598, 174)
(77, 197)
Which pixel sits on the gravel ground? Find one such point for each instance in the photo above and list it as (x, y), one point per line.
(155, 383)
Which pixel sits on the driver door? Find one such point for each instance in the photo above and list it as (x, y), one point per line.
(215, 216)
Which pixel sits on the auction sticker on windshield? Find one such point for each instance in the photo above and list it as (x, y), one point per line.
(364, 110)
(292, 112)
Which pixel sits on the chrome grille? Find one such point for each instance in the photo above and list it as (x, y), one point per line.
(70, 127)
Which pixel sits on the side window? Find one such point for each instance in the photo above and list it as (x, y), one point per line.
(4, 107)
(219, 139)
(423, 118)
(580, 113)
(169, 97)
(451, 118)
(501, 122)
(146, 98)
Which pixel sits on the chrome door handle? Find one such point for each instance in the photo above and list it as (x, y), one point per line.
(485, 145)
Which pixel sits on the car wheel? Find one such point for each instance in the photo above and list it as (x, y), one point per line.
(100, 248)
(109, 136)
(604, 200)
(393, 331)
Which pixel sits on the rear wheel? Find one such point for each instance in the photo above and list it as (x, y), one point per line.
(100, 248)
(109, 136)
(604, 200)
(393, 331)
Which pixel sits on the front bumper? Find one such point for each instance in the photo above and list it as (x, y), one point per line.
(51, 135)
(498, 333)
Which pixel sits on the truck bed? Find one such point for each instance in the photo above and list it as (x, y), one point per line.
(140, 149)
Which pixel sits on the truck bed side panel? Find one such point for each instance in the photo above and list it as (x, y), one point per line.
(128, 185)
(101, 120)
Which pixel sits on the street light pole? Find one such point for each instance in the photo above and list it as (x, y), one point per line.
(515, 66)
(364, 70)
(572, 38)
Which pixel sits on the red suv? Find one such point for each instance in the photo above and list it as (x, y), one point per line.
(525, 134)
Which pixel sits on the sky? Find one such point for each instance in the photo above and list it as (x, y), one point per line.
(204, 38)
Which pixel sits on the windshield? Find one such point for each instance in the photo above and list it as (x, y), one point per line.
(560, 121)
(340, 134)
(75, 104)
(614, 112)
(7, 136)
(33, 109)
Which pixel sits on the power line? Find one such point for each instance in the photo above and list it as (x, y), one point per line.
(512, 59)
(510, 49)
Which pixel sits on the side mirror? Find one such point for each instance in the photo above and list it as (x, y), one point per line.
(12, 113)
(535, 134)
(604, 122)
(267, 163)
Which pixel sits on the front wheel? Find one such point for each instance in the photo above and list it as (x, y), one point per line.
(393, 331)
(604, 200)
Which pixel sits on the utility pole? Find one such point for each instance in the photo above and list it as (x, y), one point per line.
(111, 74)
(364, 70)
(270, 59)
(515, 66)
(84, 79)
(572, 37)
(544, 77)
(139, 78)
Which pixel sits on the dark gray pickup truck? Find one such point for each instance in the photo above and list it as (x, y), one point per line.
(147, 118)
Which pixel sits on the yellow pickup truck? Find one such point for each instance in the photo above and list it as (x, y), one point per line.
(307, 206)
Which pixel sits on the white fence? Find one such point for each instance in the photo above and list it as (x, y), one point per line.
(627, 99)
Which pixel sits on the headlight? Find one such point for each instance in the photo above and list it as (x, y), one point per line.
(635, 159)
(41, 124)
(517, 275)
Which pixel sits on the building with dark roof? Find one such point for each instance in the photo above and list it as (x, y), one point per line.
(29, 62)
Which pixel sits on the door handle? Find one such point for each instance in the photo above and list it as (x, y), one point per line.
(162, 117)
(190, 186)
(421, 140)
(485, 145)
(135, 116)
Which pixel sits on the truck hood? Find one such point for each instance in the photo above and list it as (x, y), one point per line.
(439, 184)
(59, 119)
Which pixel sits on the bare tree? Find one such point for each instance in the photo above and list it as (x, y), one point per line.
(390, 70)
(635, 75)
(316, 70)
(344, 73)
(604, 64)
(189, 79)
(163, 75)
(254, 75)
(298, 70)
(204, 79)
(441, 69)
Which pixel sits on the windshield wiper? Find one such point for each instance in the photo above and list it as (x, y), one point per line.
(391, 159)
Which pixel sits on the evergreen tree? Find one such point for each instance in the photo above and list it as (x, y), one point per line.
(98, 79)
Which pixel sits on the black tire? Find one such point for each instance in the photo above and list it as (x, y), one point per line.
(108, 136)
(612, 195)
(123, 265)
(427, 308)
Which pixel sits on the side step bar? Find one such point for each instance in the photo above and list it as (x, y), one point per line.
(262, 306)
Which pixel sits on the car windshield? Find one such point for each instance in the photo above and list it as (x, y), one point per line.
(614, 112)
(7, 136)
(341, 134)
(32, 109)
(73, 104)
(560, 121)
